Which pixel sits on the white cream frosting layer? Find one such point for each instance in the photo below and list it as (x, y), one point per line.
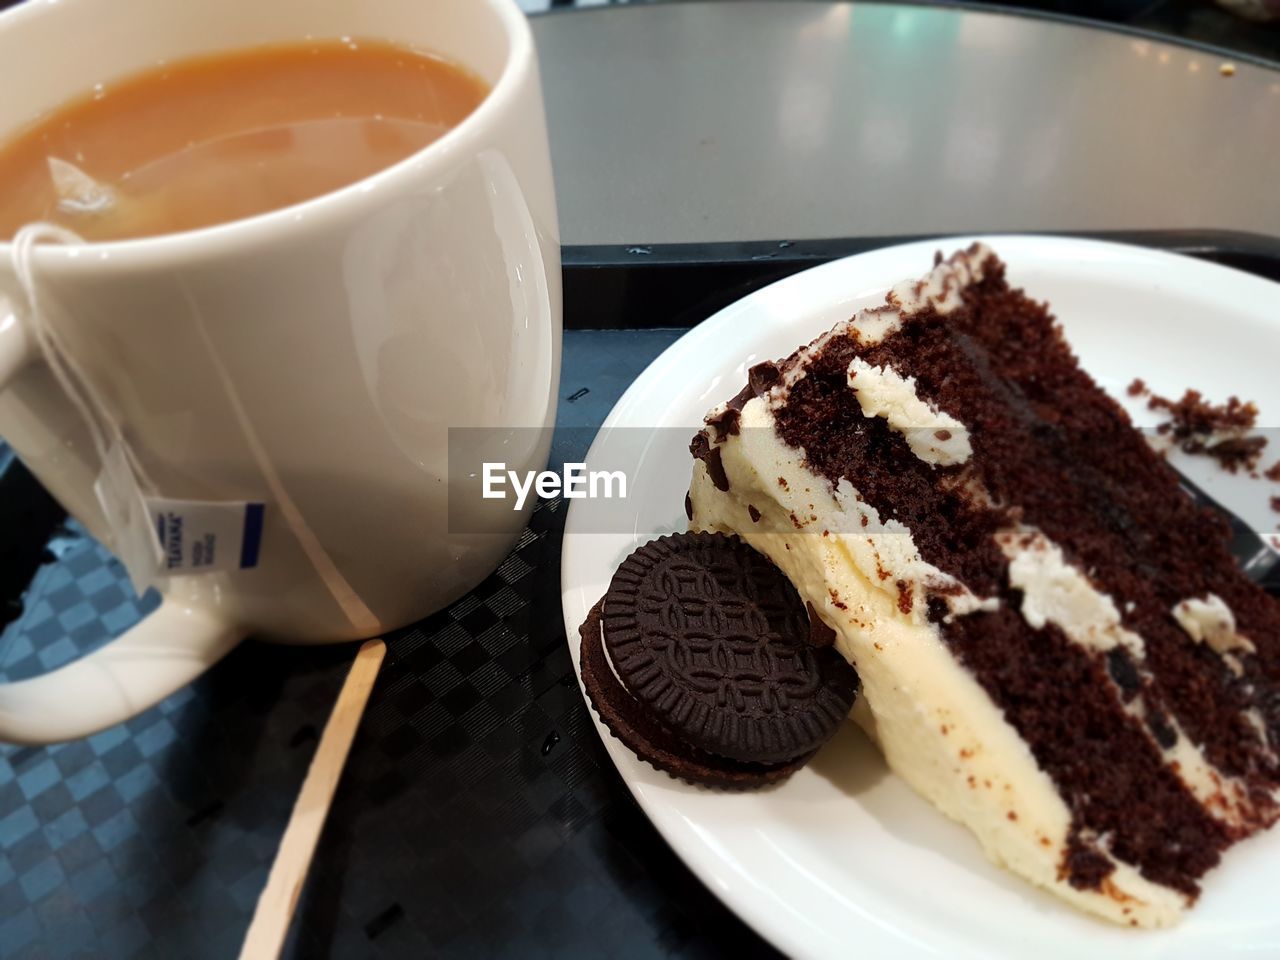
(942, 290)
(938, 729)
(943, 287)
(1209, 620)
(934, 436)
(1055, 591)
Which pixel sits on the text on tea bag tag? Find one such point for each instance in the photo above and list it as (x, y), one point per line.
(201, 536)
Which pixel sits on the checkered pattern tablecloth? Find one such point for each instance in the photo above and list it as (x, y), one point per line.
(478, 815)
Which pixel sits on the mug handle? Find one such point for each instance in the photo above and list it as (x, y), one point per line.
(156, 657)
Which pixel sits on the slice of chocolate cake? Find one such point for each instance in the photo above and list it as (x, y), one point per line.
(1055, 646)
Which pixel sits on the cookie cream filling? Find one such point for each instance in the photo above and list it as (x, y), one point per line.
(937, 727)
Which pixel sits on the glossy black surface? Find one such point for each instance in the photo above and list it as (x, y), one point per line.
(681, 284)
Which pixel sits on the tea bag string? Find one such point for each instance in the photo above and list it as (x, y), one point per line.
(66, 370)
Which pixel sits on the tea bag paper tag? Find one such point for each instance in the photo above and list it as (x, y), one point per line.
(201, 536)
(125, 510)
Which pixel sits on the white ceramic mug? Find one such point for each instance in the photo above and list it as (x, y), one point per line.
(312, 358)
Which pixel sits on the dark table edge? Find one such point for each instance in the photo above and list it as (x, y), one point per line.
(1189, 241)
(634, 286)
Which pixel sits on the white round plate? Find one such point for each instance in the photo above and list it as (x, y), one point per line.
(844, 860)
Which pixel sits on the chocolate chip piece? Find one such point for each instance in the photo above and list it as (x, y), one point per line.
(1124, 672)
(726, 422)
(715, 470)
(1158, 724)
(763, 377)
(820, 635)
(702, 449)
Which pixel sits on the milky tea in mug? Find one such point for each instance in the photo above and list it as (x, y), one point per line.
(301, 361)
(210, 139)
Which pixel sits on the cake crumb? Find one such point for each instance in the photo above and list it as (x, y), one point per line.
(905, 600)
(1227, 69)
(1194, 415)
(1235, 453)
(1215, 430)
(1273, 472)
(1275, 504)
(1138, 388)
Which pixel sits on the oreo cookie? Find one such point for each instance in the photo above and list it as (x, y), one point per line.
(632, 723)
(709, 648)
